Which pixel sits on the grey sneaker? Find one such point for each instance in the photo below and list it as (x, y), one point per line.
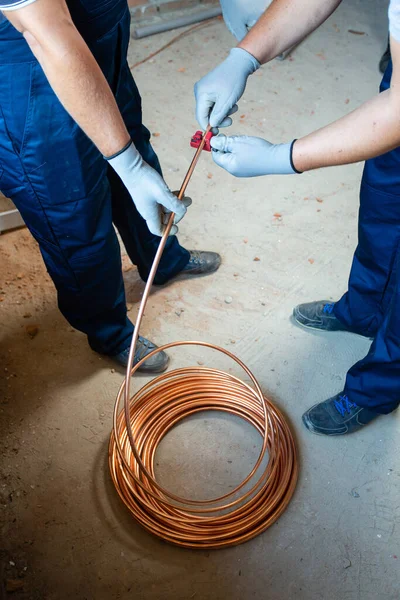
(318, 315)
(337, 416)
(202, 263)
(155, 364)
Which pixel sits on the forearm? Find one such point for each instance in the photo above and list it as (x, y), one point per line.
(83, 90)
(284, 24)
(75, 77)
(370, 130)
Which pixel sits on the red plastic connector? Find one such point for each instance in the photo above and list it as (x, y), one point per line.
(197, 138)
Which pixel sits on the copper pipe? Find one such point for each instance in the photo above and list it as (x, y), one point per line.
(149, 414)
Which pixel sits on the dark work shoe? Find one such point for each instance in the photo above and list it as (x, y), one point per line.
(337, 416)
(318, 315)
(155, 364)
(201, 263)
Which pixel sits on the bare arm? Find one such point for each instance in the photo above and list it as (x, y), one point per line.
(370, 130)
(284, 24)
(72, 72)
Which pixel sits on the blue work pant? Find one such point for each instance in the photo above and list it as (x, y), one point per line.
(371, 306)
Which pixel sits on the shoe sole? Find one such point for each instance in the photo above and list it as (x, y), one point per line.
(311, 328)
(147, 370)
(310, 427)
(297, 316)
(184, 274)
(159, 369)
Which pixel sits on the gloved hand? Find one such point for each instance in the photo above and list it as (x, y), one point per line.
(148, 190)
(216, 94)
(245, 156)
(241, 15)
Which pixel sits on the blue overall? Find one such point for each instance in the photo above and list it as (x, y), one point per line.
(67, 195)
(371, 306)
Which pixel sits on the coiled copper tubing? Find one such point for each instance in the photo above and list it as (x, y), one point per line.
(150, 413)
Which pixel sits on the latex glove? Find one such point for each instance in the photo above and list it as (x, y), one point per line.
(241, 15)
(151, 195)
(217, 93)
(245, 156)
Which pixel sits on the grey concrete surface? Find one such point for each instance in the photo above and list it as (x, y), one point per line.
(63, 531)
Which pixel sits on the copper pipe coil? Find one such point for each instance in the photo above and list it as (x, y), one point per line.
(150, 413)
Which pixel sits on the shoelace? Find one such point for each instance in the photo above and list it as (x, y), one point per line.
(328, 308)
(143, 347)
(344, 405)
(195, 258)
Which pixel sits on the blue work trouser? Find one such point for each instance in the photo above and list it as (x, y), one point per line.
(67, 195)
(372, 304)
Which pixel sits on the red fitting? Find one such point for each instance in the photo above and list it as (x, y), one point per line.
(197, 139)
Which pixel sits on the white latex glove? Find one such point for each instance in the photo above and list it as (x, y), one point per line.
(151, 195)
(241, 15)
(216, 94)
(245, 156)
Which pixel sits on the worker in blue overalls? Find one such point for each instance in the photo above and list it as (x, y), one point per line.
(67, 97)
(371, 306)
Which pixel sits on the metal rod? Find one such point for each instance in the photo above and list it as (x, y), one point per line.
(152, 274)
(145, 31)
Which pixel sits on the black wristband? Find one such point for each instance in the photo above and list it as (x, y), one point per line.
(118, 153)
(291, 158)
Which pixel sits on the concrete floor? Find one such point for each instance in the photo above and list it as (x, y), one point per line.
(63, 531)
